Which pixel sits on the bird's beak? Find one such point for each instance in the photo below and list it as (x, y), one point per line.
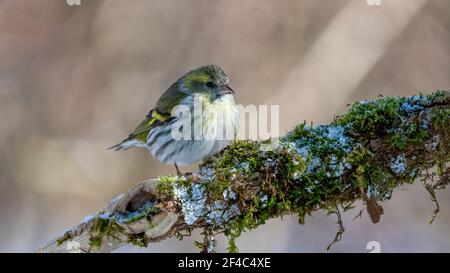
(226, 89)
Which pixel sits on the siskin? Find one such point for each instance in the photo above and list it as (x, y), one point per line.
(194, 119)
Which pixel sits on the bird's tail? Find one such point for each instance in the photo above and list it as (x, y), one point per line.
(124, 145)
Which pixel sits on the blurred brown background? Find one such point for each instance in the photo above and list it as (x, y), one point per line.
(75, 80)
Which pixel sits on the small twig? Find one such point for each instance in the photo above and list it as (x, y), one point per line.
(209, 242)
(341, 230)
(359, 215)
(433, 198)
(431, 190)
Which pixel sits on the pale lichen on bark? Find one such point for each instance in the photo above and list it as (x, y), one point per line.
(362, 155)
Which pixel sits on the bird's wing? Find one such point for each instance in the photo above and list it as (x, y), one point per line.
(152, 119)
(139, 135)
(160, 114)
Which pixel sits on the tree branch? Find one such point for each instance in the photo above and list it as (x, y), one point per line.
(362, 155)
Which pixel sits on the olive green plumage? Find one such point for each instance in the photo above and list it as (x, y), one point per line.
(207, 86)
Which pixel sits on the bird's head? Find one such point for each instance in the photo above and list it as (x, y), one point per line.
(208, 80)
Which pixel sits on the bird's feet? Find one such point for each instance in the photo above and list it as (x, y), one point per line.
(189, 175)
(178, 170)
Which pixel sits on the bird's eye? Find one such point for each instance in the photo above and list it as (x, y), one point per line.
(211, 85)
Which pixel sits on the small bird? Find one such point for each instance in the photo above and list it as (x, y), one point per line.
(199, 106)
